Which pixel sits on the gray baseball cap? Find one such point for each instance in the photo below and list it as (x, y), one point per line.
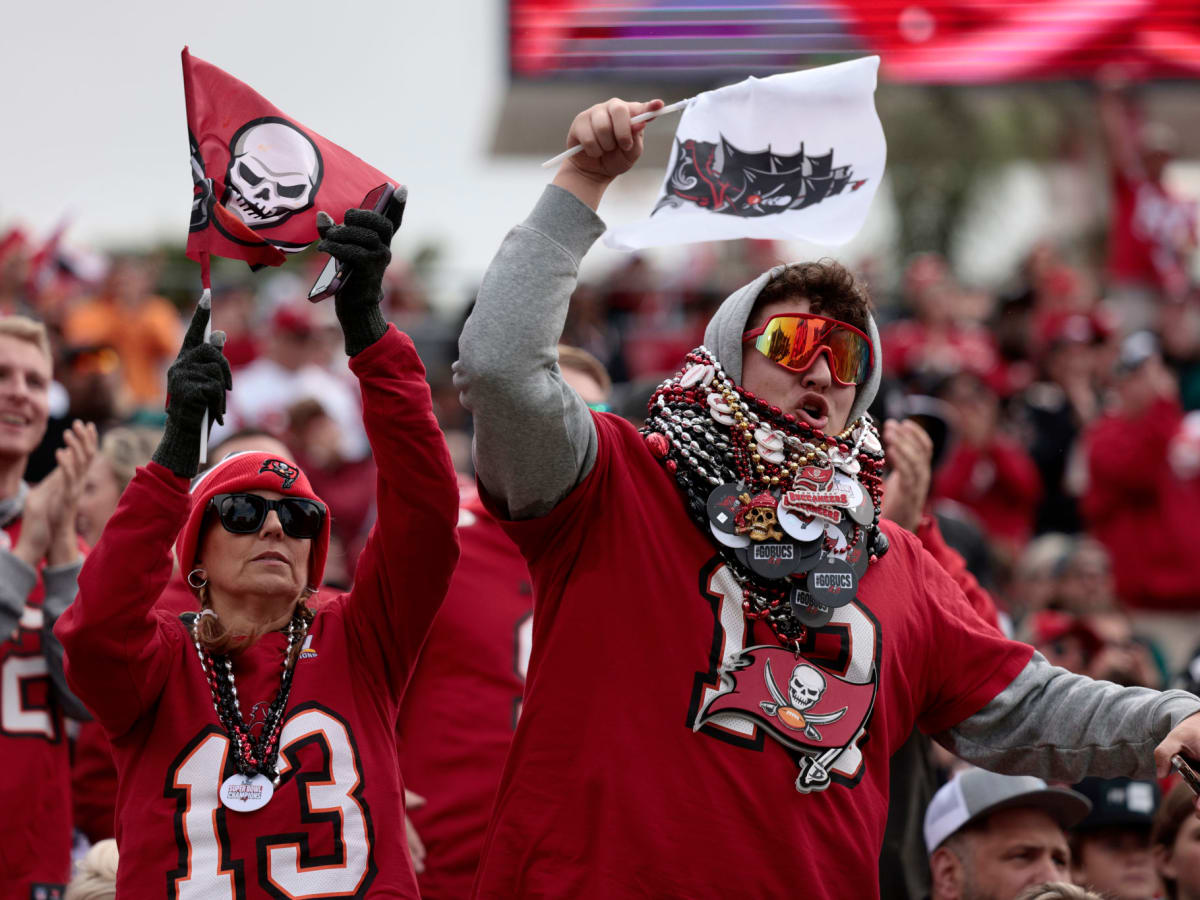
(975, 793)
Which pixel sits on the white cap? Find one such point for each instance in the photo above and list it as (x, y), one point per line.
(975, 793)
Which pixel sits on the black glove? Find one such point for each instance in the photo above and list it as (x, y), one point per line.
(362, 242)
(196, 384)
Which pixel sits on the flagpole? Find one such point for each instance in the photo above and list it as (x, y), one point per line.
(205, 300)
(644, 117)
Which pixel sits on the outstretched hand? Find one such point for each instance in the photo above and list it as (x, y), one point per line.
(1183, 738)
(196, 384)
(611, 145)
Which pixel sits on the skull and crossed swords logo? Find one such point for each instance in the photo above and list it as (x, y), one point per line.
(805, 689)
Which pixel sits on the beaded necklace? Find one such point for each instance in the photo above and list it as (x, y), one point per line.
(794, 512)
(252, 757)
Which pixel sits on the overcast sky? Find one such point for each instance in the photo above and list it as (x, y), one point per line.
(94, 122)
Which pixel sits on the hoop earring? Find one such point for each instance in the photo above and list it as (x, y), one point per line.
(197, 579)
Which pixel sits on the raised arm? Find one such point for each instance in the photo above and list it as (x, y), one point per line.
(117, 649)
(405, 568)
(534, 437)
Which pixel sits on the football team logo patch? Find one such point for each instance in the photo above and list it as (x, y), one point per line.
(288, 473)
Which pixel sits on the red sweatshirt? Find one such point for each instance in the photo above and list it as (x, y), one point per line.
(999, 483)
(335, 824)
(1142, 510)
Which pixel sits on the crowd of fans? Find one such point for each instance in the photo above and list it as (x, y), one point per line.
(1063, 416)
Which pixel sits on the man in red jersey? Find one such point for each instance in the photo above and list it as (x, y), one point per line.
(464, 699)
(726, 651)
(39, 562)
(255, 741)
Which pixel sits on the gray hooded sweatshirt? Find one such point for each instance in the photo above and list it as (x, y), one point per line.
(535, 441)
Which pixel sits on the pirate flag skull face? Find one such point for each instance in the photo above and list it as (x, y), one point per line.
(274, 172)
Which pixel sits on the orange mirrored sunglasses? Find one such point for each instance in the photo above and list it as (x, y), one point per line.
(793, 340)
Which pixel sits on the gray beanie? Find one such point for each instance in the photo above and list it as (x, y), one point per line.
(723, 336)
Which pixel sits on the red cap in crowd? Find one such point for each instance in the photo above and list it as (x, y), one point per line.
(250, 470)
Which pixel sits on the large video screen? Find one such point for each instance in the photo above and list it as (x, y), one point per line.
(939, 41)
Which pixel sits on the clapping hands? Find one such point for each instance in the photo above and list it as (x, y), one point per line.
(48, 519)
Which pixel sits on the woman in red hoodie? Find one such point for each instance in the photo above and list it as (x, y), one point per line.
(254, 741)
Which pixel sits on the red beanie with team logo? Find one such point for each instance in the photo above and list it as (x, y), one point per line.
(250, 470)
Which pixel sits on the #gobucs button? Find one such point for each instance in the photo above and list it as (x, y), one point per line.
(808, 611)
(244, 793)
(773, 559)
(722, 507)
(832, 582)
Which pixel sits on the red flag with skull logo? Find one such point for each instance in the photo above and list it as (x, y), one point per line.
(259, 176)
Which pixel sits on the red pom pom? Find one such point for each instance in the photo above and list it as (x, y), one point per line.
(658, 444)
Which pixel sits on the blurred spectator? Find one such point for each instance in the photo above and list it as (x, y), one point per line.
(91, 378)
(1057, 408)
(1151, 233)
(285, 373)
(1188, 678)
(143, 328)
(1110, 848)
(346, 485)
(1180, 335)
(1101, 645)
(940, 339)
(122, 450)
(1144, 484)
(95, 874)
(1123, 658)
(1035, 574)
(1065, 639)
(986, 471)
(992, 835)
(1084, 580)
(1175, 840)
(237, 321)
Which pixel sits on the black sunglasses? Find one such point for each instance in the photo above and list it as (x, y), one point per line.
(245, 514)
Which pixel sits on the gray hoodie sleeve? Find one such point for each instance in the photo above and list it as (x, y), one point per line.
(1063, 727)
(17, 579)
(62, 583)
(534, 436)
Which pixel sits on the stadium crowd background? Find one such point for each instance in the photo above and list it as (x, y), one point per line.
(1063, 397)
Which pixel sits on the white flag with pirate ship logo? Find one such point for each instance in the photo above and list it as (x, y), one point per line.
(793, 156)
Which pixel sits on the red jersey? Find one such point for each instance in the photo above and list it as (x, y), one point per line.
(462, 705)
(335, 824)
(643, 765)
(999, 483)
(35, 784)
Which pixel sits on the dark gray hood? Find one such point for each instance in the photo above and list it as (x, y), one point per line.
(723, 336)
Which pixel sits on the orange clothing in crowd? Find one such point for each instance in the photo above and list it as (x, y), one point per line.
(146, 337)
